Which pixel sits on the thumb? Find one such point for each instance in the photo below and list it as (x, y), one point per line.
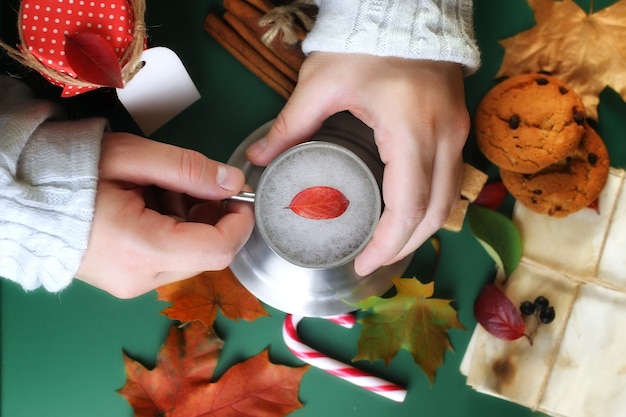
(297, 122)
(140, 161)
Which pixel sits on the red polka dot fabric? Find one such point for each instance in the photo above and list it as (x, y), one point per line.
(46, 23)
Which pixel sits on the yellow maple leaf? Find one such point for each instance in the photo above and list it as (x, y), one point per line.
(410, 320)
(585, 50)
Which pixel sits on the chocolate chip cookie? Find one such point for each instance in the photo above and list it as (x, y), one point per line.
(566, 186)
(528, 122)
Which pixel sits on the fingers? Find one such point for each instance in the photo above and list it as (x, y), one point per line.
(133, 249)
(141, 161)
(406, 193)
(189, 247)
(292, 126)
(302, 116)
(419, 193)
(444, 196)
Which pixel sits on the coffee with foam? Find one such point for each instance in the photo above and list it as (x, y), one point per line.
(311, 243)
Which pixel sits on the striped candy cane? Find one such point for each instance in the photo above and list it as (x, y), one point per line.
(334, 367)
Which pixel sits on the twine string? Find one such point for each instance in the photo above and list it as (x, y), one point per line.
(282, 19)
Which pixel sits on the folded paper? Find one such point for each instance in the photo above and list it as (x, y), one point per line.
(576, 365)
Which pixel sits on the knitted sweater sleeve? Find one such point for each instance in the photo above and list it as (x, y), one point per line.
(48, 178)
(439, 30)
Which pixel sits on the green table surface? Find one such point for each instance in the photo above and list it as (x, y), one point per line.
(61, 354)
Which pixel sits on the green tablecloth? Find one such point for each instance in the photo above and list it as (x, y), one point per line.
(62, 353)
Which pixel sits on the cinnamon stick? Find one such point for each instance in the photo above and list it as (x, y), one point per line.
(230, 40)
(457, 216)
(472, 182)
(249, 36)
(250, 16)
(263, 5)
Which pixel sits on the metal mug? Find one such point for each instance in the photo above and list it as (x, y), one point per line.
(287, 262)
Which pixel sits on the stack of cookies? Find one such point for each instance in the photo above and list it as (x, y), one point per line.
(533, 127)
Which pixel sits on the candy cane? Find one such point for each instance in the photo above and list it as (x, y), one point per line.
(334, 367)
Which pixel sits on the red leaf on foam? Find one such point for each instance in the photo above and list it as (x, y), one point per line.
(319, 203)
(492, 195)
(498, 315)
(93, 59)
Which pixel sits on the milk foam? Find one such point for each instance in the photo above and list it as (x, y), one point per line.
(317, 243)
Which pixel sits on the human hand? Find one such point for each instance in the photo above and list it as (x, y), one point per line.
(420, 121)
(142, 236)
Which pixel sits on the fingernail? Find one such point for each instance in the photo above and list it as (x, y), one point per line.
(362, 267)
(257, 148)
(228, 178)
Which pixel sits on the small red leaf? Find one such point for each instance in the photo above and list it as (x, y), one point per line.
(595, 206)
(93, 59)
(492, 195)
(319, 203)
(498, 315)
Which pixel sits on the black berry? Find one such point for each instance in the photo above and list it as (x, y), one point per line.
(563, 90)
(541, 302)
(546, 315)
(527, 308)
(542, 81)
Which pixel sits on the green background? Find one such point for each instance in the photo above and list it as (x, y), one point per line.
(61, 354)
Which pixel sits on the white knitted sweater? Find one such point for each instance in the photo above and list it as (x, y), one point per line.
(438, 30)
(48, 178)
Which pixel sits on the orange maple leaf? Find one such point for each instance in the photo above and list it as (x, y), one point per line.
(180, 384)
(252, 388)
(199, 298)
(587, 51)
(186, 362)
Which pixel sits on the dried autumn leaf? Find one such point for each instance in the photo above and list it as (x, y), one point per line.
(93, 59)
(254, 388)
(319, 203)
(410, 320)
(498, 315)
(185, 362)
(180, 384)
(492, 195)
(587, 51)
(198, 298)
